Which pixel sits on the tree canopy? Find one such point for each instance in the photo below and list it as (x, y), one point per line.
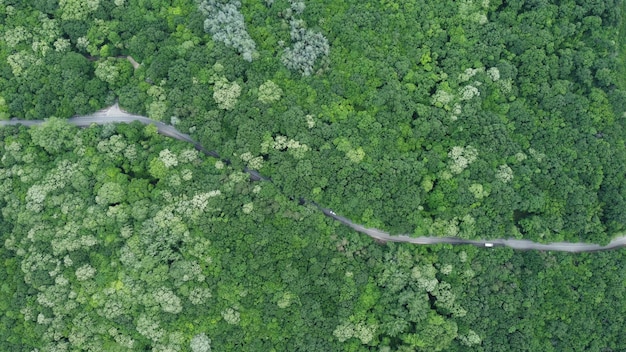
(470, 119)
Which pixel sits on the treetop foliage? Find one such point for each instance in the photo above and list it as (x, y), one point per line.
(471, 119)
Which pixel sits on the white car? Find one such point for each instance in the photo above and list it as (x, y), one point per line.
(332, 212)
(489, 245)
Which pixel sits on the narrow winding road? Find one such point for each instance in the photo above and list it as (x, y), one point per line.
(515, 244)
(114, 114)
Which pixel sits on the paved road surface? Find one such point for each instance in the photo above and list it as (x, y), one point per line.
(512, 243)
(114, 114)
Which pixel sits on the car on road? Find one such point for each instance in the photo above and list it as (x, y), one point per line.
(489, 245)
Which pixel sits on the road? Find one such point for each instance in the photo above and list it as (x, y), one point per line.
(114, 114)
(380, 235)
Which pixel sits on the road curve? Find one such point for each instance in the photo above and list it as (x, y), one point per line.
(114, 114)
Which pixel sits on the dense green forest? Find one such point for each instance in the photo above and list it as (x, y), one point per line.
(472, 119)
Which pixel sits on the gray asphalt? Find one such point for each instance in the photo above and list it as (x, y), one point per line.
(114, 114)
(573, 247)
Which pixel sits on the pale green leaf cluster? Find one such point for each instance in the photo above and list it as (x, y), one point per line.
(461, 158)
(226, 93)
(269, 92)
(77, 9)
(308, 46)
(226, 24)
(107, 71)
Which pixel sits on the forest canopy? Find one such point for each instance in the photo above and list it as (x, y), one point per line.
(471, 119)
